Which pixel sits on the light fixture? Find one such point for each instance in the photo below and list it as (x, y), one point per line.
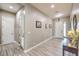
(24, 11)
(42, 20)
(10, 7)
(59, 15)
(52, 6)
(75, 11)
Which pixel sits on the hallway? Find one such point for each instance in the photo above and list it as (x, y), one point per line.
(53, 47)
(50, 48)
(23, 26)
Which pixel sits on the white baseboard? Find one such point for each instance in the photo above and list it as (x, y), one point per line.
(54, 37)
(8, 43)
(25, 51)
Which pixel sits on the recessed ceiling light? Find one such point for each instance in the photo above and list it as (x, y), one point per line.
(10, 7)
(59, 15)
(52, 6)
(75, 11)
(24, 11)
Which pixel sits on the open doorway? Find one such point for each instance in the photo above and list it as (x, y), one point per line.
(9, 23)
(7, 28)
(59, 28)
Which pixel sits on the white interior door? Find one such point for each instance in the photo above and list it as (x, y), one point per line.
(7, 29)
(59, 29)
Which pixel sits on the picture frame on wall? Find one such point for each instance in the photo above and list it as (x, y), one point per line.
(50, 26)
(45, 26)
(38, 24)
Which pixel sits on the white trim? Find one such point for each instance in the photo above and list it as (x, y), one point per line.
(25, 51)
(7, 43)
(54, 37)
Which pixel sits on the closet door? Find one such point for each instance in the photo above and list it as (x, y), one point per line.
(7, 29)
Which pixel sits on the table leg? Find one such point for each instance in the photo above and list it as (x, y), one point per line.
(63, 51)
(77, 54)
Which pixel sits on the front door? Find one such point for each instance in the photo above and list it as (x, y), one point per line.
(7, 29)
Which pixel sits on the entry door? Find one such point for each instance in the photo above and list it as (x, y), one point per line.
(59, 28)
(7, 29)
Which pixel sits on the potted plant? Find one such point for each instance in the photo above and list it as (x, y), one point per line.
(73, 38)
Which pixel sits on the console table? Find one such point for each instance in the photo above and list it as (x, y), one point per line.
(69, 49)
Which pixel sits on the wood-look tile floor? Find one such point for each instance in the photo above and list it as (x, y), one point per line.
(52, 47)
(11, 49)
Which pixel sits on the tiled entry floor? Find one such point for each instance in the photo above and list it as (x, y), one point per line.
(52, 47)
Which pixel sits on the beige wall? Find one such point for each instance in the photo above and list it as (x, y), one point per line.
(34, 35)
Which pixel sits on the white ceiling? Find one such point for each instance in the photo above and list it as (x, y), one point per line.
(64, 8)
(6, 6)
